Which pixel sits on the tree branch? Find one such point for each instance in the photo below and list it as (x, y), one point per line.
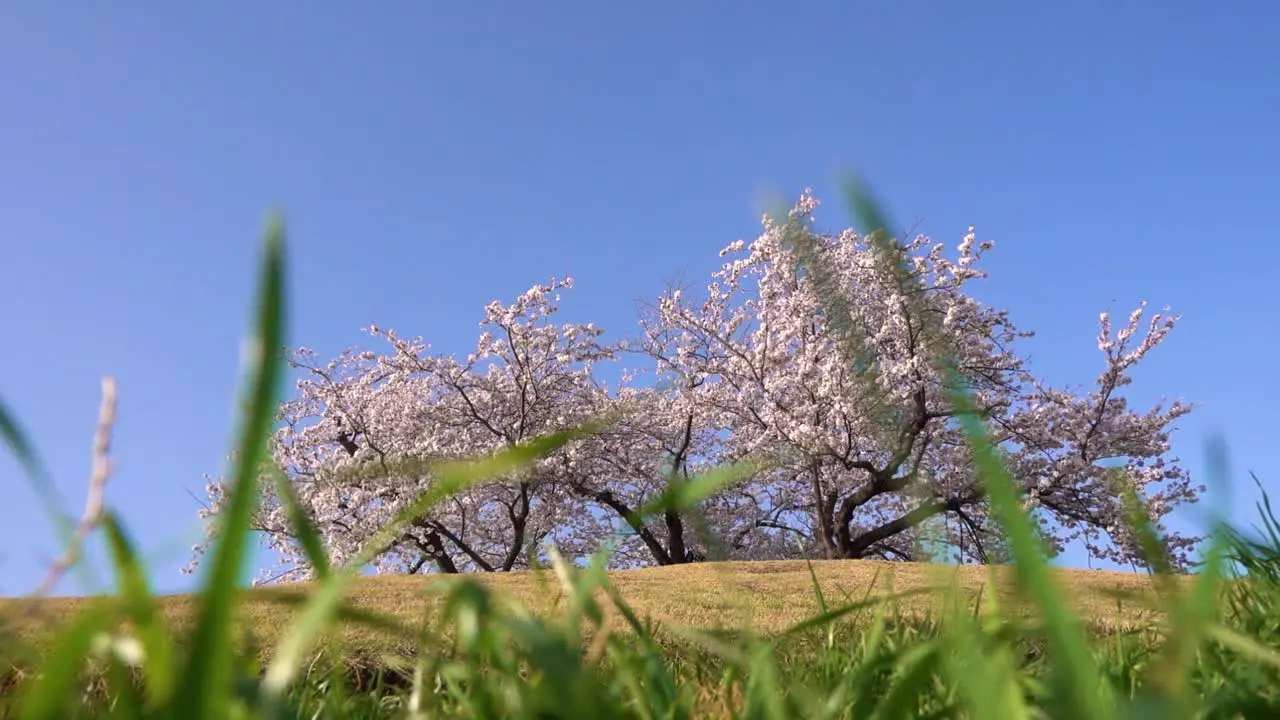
(101, 470)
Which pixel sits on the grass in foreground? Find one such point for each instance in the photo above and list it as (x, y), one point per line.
(476, 656)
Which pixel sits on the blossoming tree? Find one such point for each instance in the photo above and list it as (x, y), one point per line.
(809, 351)
(839, 372)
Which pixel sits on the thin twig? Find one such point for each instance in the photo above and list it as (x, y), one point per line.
(99, 473)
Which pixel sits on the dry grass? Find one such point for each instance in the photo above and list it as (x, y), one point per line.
(767, 596)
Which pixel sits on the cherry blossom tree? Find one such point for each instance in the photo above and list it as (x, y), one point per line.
(357, 419)
(838, 371)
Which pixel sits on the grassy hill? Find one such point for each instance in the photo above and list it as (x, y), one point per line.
(768, 596)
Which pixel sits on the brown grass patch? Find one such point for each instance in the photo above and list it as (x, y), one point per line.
(767, 596)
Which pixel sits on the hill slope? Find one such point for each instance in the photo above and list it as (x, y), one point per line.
(767, 595)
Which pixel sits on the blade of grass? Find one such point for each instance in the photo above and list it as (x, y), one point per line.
(765, 697)
(345, 613)
(42, 484)
(1244, 645)
(303, 528)
(16, 438)
(824, 618)
(1200, 611)
(822, 601)
(156, 641)
(20, 445)
(128, 702)
(687, 495)
(915, 668)
(452, 478)
(579, 589)
(986, 676)
(1075, 668)
(203, 688)
(1188, 616)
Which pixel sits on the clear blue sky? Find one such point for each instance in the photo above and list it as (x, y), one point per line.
(432, 157)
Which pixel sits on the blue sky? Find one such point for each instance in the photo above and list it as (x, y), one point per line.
(432, 157)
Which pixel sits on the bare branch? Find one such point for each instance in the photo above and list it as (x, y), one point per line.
(99, 473)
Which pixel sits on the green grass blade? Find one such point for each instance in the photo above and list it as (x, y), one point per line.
(41, 482)
(140, 604)
(817, 586)
(346, 613)
(304, 530)
(986, 676)
(1189, 614)
(204, 687)
(451, 478)
(1244, 645)
(765, 698)
(1077, 672)
(1150, 548)
(915, 668)
(16, 438)
(128, 702)
(710, 643)
(687, 495)
(865, 207)
(824, 618)
(822, 601)
(455, 476)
